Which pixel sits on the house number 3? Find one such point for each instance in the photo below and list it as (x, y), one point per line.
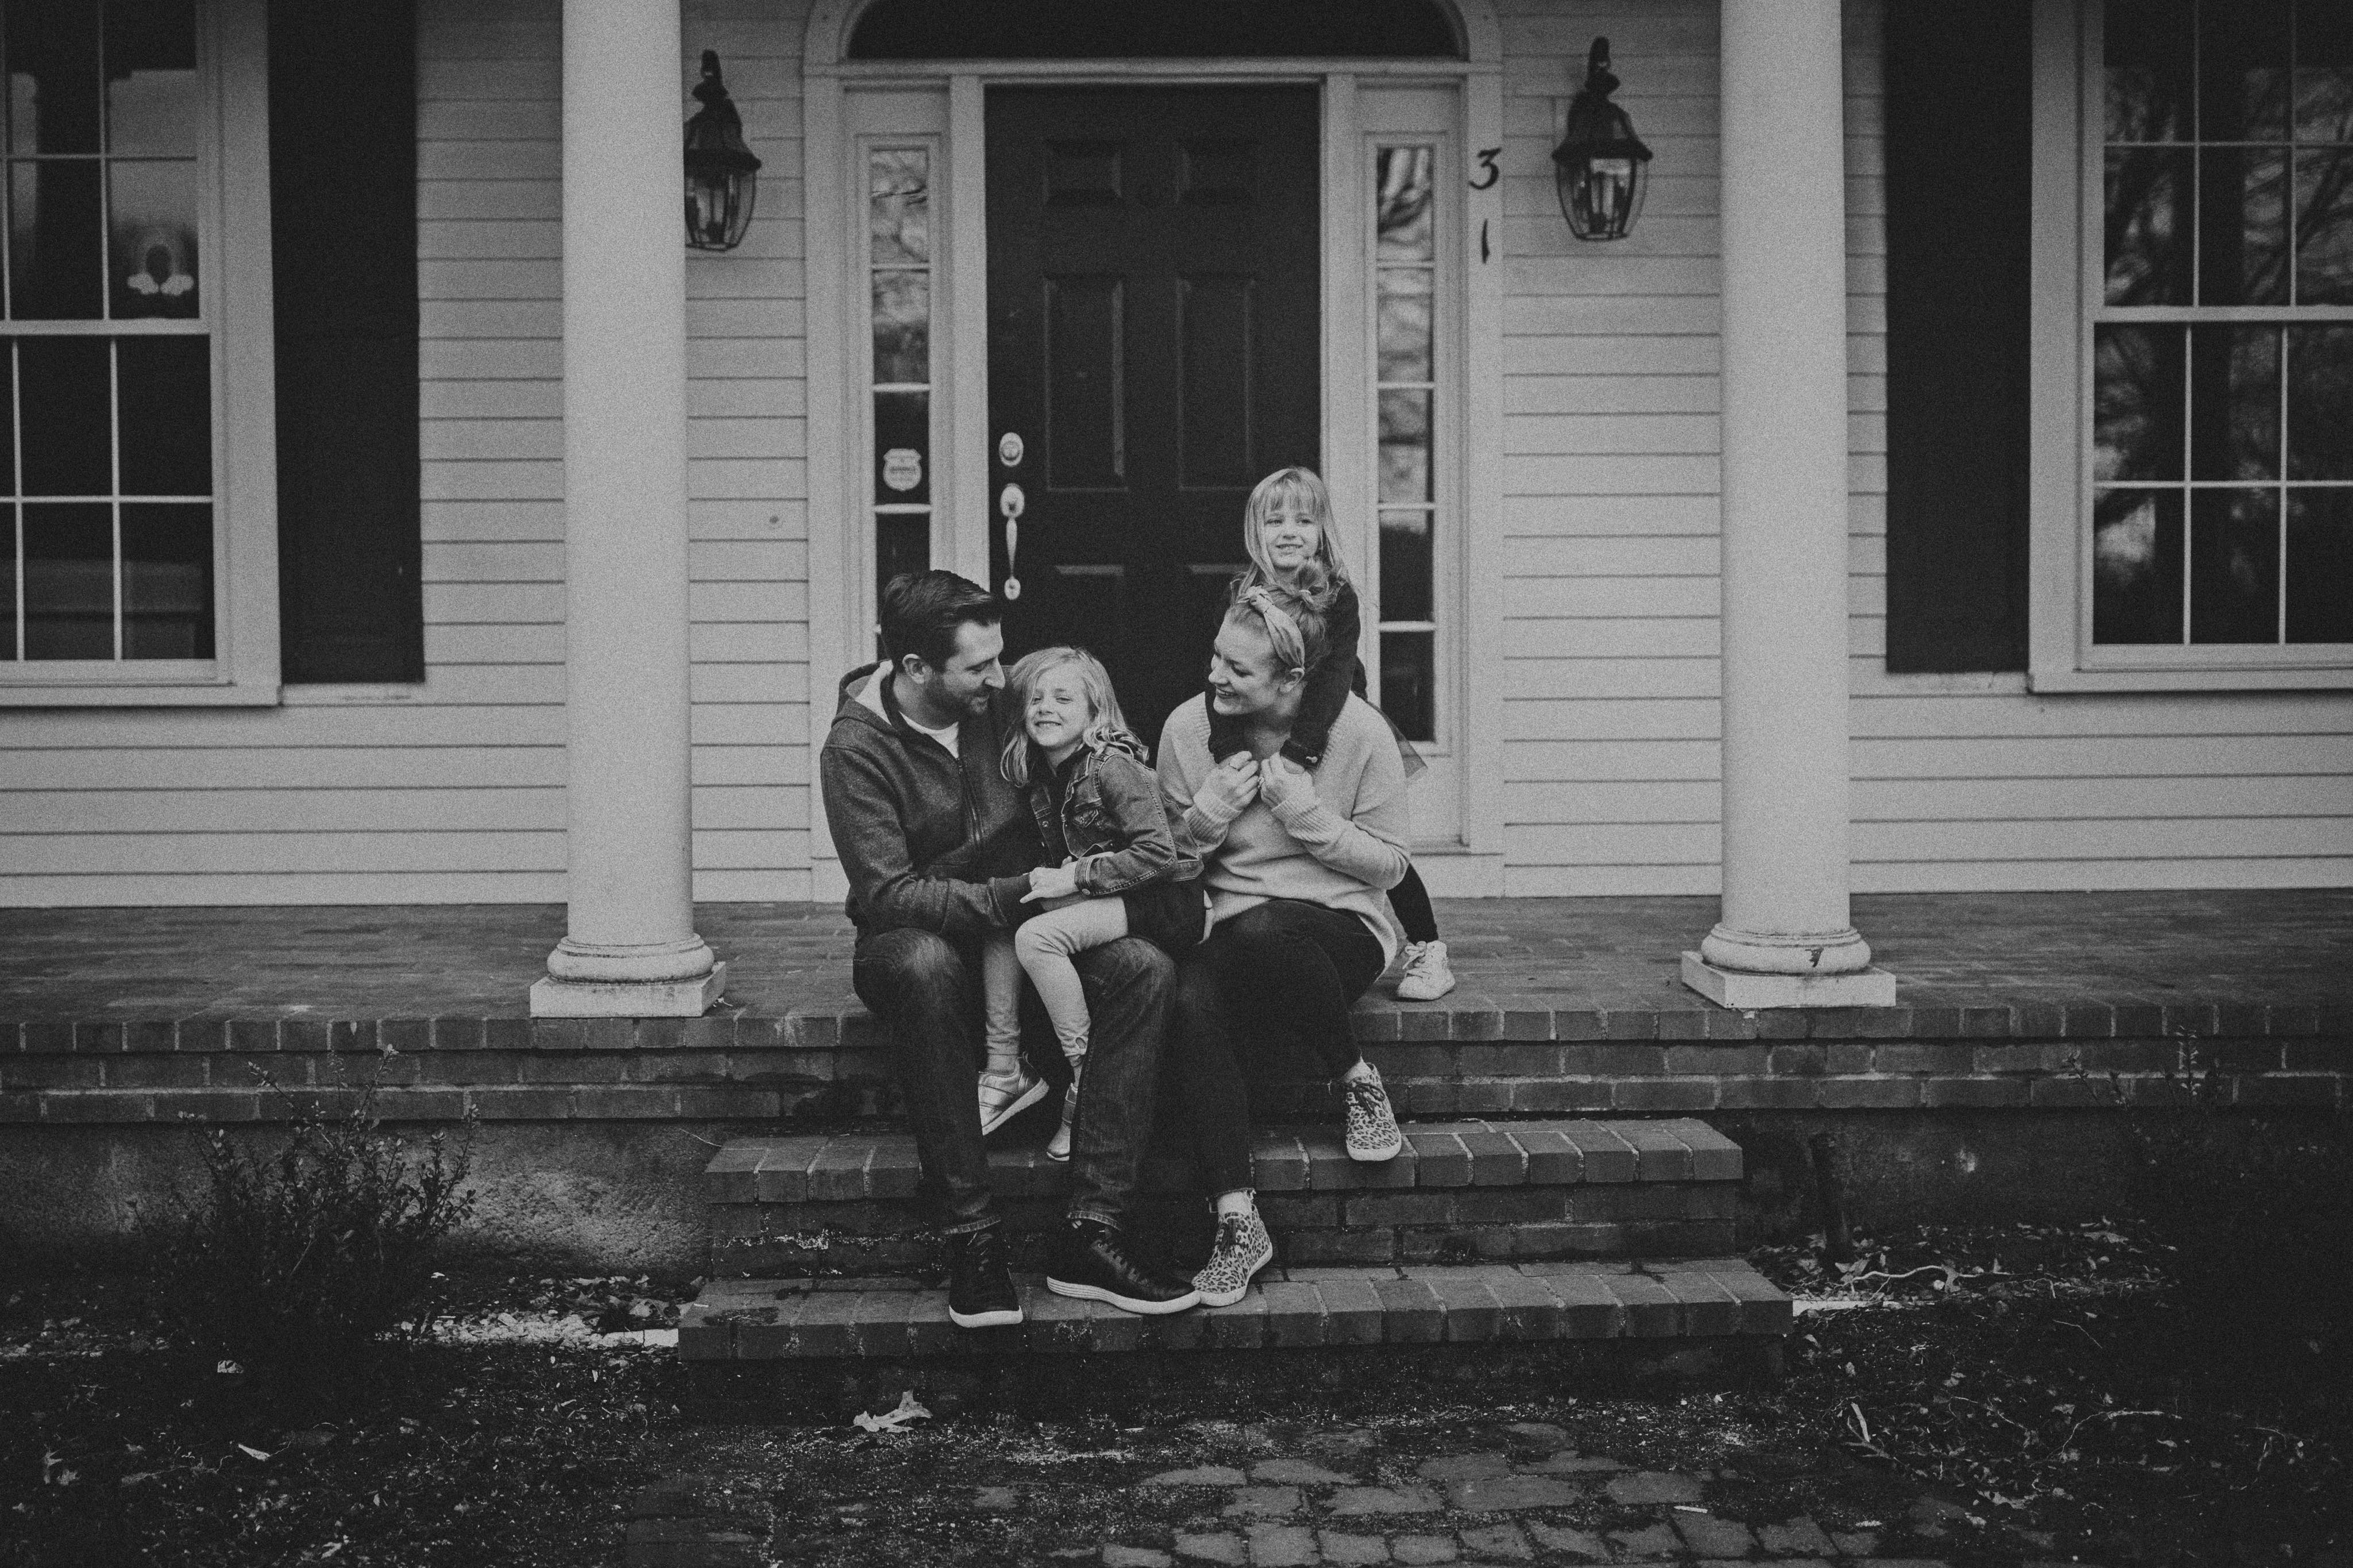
(1489, 173)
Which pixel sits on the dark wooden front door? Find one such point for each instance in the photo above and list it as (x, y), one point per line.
(1154, 348)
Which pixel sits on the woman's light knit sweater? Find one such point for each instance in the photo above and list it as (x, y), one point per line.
(1342, 847)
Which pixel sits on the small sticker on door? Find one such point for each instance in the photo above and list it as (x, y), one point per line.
(1010, 449)
(902, 469)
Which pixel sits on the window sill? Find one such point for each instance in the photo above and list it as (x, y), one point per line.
(2196, 677)
(160, 683)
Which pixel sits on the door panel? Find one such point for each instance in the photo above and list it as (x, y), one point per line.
(1155, 341)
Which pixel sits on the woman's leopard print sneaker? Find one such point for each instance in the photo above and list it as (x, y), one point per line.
(1243, 1248)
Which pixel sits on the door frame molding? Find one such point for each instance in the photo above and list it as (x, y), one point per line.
(1472, 859)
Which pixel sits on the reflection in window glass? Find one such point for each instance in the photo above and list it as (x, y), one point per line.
(899, 256)
(2136, 567)
(1405, 327)
(2222, 452)
(2321, 565)
(53, 76)
(68, 598)
(153, 237)
(2235, 428)
(2136, 386)
(56, 267)
(167, 582)
(151, 78)
(107, 480)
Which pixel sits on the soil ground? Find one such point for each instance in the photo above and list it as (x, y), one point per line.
(1983, 1396)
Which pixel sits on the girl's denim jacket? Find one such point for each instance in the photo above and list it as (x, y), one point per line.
(1112, 821)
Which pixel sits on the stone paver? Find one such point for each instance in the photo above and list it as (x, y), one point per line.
(1297, 1473)
(1425, 1549)
(1282, 1546)
(1502, 1543)
(1198, 1476)
(1219, 1547)
(1501, 1494)
(1799, 1537)
(1135, 1557)
(1278, 1502)
(1464, 1467)
(1654, 1486)
(1568, 1539)
(1542, 1433)
(1571, 1464)
(1710, 1536)
(1650, 1540)
(1352, 1549)
(1385, 1499)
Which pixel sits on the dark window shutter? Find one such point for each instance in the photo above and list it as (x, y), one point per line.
(343, 179)
(1959, 152)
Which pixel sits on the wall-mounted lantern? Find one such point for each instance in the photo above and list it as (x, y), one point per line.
(722, 177)
(1601, 169)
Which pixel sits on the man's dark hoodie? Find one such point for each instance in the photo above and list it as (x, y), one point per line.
(937, 842)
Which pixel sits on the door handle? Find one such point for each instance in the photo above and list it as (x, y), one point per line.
(1011, 502)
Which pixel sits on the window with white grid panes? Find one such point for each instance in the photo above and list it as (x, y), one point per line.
(1404, 397)
(107, 395)
(899, 270)
(2220, 417)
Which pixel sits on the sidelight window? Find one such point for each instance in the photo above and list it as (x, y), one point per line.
(1405, 292)
(106, 348)
(899, 267)
(2219, 454)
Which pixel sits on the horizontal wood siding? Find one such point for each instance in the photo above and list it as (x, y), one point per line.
(1611, 642)
(452, 791)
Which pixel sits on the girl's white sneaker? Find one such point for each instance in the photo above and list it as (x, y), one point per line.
(1428, 976)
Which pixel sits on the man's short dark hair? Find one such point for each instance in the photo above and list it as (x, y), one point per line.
(921, 610)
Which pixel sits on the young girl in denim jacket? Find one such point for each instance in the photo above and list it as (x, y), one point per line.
(1112, 867)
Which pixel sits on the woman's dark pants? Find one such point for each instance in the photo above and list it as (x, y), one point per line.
(1266, 995)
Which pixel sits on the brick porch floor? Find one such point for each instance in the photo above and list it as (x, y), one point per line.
(2277, 950)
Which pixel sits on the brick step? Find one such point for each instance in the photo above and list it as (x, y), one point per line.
(1290, 1307)
(842, 1205)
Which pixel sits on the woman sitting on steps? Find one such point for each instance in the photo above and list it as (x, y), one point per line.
(1295, 864)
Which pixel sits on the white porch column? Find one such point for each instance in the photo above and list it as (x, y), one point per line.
(1785, 938)
(630, 949)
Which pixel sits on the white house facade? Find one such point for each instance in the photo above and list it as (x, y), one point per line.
(1931, 493)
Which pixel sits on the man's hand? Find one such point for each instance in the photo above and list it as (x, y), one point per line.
(1280, 780)
(1232, 786)
(1050, 882)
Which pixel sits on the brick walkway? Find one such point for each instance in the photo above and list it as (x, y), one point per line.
(2277, 948)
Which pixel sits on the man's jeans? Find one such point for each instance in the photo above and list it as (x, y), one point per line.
(926, 990)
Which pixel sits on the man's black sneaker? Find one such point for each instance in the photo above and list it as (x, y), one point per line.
(1096, 1263)
(980, 1291)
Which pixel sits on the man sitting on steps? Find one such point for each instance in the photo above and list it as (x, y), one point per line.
(937, 845)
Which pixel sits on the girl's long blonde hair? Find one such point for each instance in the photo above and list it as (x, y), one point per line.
(1304, 490)
(1104, 716)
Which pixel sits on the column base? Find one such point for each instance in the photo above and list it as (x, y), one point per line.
(1747, 991)
(554, 998)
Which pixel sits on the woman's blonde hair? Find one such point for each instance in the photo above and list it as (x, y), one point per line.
(1104, 716)
(1292, 623)
(1304, 491)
